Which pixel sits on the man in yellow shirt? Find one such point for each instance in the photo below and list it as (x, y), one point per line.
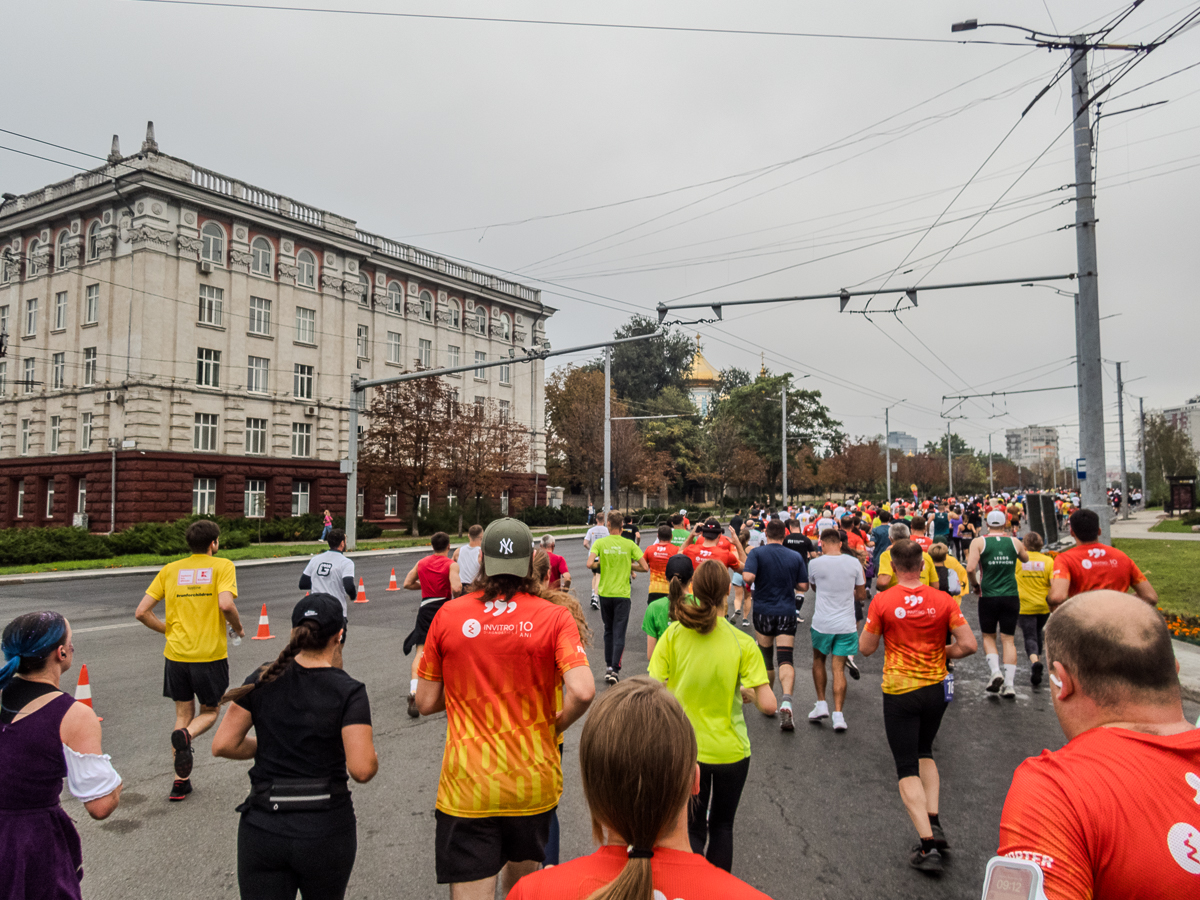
(883, 580)
(1033, 587)
(199, 592)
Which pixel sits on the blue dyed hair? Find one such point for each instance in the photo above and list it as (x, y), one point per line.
(28, 640)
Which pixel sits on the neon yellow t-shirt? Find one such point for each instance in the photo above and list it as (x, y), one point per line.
(928, 573)
(1033, 583)
(195, 623)
(616, 555)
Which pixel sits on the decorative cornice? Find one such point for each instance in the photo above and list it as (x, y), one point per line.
(414, 308)
(286, 270)
(189, 246)
(331, 282)
(241, 259)
(104, 244)
(143, 233)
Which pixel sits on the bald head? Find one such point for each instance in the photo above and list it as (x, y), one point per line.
(1116, 646)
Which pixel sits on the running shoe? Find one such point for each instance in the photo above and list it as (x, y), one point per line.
(413, 712)
(745, 622)
(926, 862)
(1035, 674)
(852, 668)
(595, 602)
(181, 740)
(994, 685)
(181, 788)
(786, 720)
(733, 616)
(611, 677)
(939, 837)
(819, 711)
(839, 721)
(1008, 692)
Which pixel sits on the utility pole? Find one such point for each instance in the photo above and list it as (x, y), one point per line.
(607, 428)
(350, 465)
(949, 461)
(1142, 450)
(783, 406)
(887, 452)
(1121, 434)
(991, 480)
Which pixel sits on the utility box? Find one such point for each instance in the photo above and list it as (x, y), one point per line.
(80, 520)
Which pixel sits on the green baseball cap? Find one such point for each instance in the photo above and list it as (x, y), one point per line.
(507, 548)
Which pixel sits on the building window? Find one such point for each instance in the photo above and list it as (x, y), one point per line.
(208, 367)
(506, 374)
(212, 299)
(256, 498)
(391, 503)
(306, 265)
(478, 410)
(452, 356)
(21, 498)
(302, 382)
(205, 434)
(4, 318)
(58, 370)
(395, 298)
(81, 496)
(31, 317)
(505, 409)
(204, 496)
(451, 498)
(212, 246)
(427, 306)
(301, 440)
(394, 347)
(425, 353)
(480, 357)
(257, 374)
(505, 327)
(256, 436)
(32, 269)
(364, 342)
(365, 299)
(306, 325)
(60, 310)
(481, 322)
(260, 315)
(60, 256)
(260, 257)
(25, 436)
(301, 490)
(91, 304)
(93, 241)
(85, 431)
(423, 503)
(49, 498)
(30, 366)
(3, 377)
(455, 315)
(504, 503)
(55, 432)
(89, 366)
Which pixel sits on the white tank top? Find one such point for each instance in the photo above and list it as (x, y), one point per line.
(468, 564)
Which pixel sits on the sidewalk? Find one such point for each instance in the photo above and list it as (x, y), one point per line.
(1140, 522)
(1188, 656)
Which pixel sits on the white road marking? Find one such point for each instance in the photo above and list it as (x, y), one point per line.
(105, 627)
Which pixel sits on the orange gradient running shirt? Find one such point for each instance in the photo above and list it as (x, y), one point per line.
(913, 623)
(657, 556)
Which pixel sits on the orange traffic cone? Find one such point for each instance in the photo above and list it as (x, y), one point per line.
(392, 586)
(264, 627)
(362, 593)
(83, 690)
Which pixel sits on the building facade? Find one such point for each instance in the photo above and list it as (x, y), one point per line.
(1032, 446)
(1186, 418)
(195, 335)
(904, 442)
(702, 381)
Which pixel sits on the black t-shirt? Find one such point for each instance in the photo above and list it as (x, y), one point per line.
(798, 542)
(631, 532)
(736, 524)
(298, 719)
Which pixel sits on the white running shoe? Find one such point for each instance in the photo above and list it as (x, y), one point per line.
(839, 721)
(819, 711)
(1008, 692)
(994, 685)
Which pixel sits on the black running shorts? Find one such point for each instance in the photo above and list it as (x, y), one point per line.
(1002, 611)
(425, 615)
(911, 722)
(773, 626)
(206, 681)
(473, 849)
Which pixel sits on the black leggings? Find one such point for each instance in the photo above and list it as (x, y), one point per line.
(911, 721)
(1033, 631)
(713, 824)
(614, 613)
(271, 867)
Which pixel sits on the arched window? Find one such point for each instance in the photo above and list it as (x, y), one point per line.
(60, 255)
(306, 263)
(427, 306)
(365, 299)
(260, 257)
(395, 297)
(93, 241)
(505, 327)
(32, 270)
(481, 320)
(455, 314)
(212, 245)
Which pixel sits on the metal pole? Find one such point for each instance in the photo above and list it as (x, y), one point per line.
(949, 461)
(112, 500)
(533, 435)
(1087, 348)
(352, 476)
(1121, 434)
(1142, 450)
(887, 452)
(607, 428)
(783, 405)
(991, 480)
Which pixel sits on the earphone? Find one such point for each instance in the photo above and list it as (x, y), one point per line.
(1056, 681)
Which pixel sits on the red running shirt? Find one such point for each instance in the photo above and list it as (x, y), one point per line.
(913, 623)
(657, 556)
(698, 553)
(502, 664)
(1093, 567)
(558, 568)
(924, 542)
(434, 575)
(677, 876)
(1113, 814)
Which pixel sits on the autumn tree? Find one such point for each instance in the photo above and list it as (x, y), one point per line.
(1169, 452)
(641, 370)
(575, 427)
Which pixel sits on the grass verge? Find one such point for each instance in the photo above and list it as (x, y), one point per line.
(1171, 568)
(1172, 526)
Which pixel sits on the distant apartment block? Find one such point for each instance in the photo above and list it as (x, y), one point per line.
(1032, 446)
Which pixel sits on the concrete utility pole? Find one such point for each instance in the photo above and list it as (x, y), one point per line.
(949, 461)
(607, 428)
(887, 452)
(991, 480)
(1142, 450)
(783, 405)
(1121, 433)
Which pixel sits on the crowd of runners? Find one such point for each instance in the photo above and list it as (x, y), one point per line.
(500, 644)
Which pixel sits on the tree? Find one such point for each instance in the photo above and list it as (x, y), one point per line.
(641, 370)
(724, 454)
(1169, 452)
(679, 438)
(938, 447)
(730, 378)
(482, 448)
(575, 427)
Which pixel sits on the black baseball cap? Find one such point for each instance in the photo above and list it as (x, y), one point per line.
(710, 530)
(680, 565)
(324, 609)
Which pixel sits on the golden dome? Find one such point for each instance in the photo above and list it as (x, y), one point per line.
(701, 371)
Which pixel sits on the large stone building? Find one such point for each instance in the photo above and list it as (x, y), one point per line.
(1032, 446)
(195, 335)
(904, 442)
(1186, 418)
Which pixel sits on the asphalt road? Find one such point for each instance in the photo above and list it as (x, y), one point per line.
(820, 816)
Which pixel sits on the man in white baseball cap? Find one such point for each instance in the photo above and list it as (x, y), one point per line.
(992, 566)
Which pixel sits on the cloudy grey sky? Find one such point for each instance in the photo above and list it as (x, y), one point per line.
(782, 164)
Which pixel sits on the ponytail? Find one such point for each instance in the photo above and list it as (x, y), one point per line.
(305, 636)
(710, 587)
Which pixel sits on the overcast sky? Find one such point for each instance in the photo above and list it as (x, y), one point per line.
(785, 164)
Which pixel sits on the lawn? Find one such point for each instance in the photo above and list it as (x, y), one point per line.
(1172, 526)
(1171, 567)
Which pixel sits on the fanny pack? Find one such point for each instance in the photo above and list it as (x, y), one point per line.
(296, 795)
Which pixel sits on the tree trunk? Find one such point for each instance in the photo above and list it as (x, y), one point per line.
(415, 529)
(460, 521)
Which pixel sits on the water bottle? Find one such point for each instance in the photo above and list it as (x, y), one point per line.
(234, 638)
(948, 686)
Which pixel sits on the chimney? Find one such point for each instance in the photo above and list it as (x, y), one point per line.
(114, 155)
(149, 145)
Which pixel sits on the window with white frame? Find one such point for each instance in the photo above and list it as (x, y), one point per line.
(364, 342)
(212, 301)
(395, 349)
(81, 495)
(391, 503)
(204, 496)
(4, 318)
(91, 304)
(30, 374)
(455, 314)
(480, 357)
(89, 366)
(452, 356)
(21, 498)
(453, 402)
(58, 370)
(364, 298)
(49, 498)
(504, 503)
(31, 310)
(60, 257)
(302, 382)
(451, 498)
(260, 256)
(32, 269)
(55, 433)
(301, 440)
(26, 436)
(506, 374)
(306, 265)
(505, 410)
(425, 352)
(204, 434)
(260, 315)
(306, 325)
(85, 431)
(395, 297)
(256, 436)
(258, 374)
(3, 377)
(481, 321)
(423, 503)
(93, 241)
(208, 367)
(60, 310)
(479, 403)
(255, 498)
(505, 327)
(427, 306)
(301, 492)
(212, 243)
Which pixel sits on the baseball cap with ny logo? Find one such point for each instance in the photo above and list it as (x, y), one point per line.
(507, 548)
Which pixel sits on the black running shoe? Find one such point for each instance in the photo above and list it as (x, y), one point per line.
(939, 837)
(1035, 674)
(413, 712)
(611, 677)
(181, 788)
(595, 602)
(181, 740)
(927, 862)
(852, 668)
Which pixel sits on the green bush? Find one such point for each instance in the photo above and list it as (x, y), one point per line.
(28, 546)
(549, 516)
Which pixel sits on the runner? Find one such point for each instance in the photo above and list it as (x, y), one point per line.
(1033, 586)
(645, 849)
(912, 620)
(595, 533)
(898, 531)
(437, 575)
(703, 659)
(331, 572)
(558, 577)
(631, 531)
(289, 839)
(658, 555)
(952, 577)
(1113, 813)
(840, 584)
(1092, 566)
(468, 556)
(776, 574)
(679, 533)
(684, 519)
(616, 558)
(941, 523)
(741, 595)
(199, 593)
(824, 523)
(917, 530)
(482, 670)
(881, 535)
(658, 613)
(327, 526)
(992, 561)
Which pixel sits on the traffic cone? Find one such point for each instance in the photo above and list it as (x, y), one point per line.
(392, 586)
(362, 593)
(264, 627)
(83, 690)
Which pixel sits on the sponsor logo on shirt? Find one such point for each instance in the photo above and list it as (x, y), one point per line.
(204, 576)
(499, 607)
(901, 612)
(186, 577)
(1183, 840)
(1039, 859)
(471, 628)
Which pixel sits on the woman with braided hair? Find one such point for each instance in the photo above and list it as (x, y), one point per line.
(45, 736)
(312, 723)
